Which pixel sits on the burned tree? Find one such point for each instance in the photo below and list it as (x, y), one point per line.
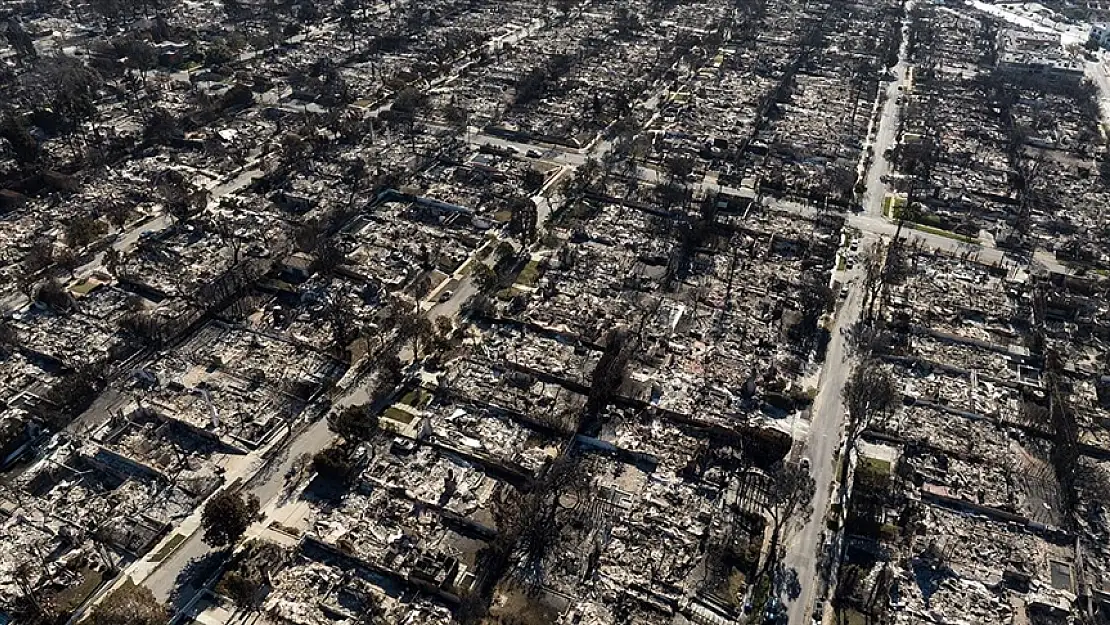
(609, 373)
(9, 337)
(871, 390)
(528, 523)
(415, 329)
(178, 196)
(1065, 434)
(55, 297)
(694, 234)
(789, 495)
(814, 299)
(247, 577)
(872, 280)
(523, 220)
(22, 145)
(20, 40)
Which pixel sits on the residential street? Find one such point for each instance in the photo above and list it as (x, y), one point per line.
(887, 132)
(182, 573)
(590, 312)
(189, 565)
(822, 447)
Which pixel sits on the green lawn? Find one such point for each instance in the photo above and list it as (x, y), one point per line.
(168, 548)
(948, 234)
(892, 205)
(72, 597)
(530, 274)
(417, 398)
(401, 416)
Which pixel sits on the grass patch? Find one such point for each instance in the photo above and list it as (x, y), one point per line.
(398, 415)
(737, 584)
(503, 216)
(892, 206)
(70, 598)
(506, 294)
(168, 548)
(417, 398)
(530, 274)
(841, 262)
(948, 234)
(853, 617)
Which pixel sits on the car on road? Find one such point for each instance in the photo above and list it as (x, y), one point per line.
(818, 611)
(533, 154)
(445, 296)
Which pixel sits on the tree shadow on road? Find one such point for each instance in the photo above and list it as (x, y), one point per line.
(193, 576)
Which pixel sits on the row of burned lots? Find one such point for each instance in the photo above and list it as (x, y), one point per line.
(999, 136)
(551, 462)
(979, 457)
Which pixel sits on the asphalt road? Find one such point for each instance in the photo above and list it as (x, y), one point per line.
(887, 132)
(182, 574)
(884, 139)
(820, 447)
(1097, 72)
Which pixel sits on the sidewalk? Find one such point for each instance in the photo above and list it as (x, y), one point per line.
(140, 570)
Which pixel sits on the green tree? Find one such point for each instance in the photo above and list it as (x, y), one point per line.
(353, 423)
(227, 516)
(243, 590)
(130, 604)
(484, 278)
(333, 462)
